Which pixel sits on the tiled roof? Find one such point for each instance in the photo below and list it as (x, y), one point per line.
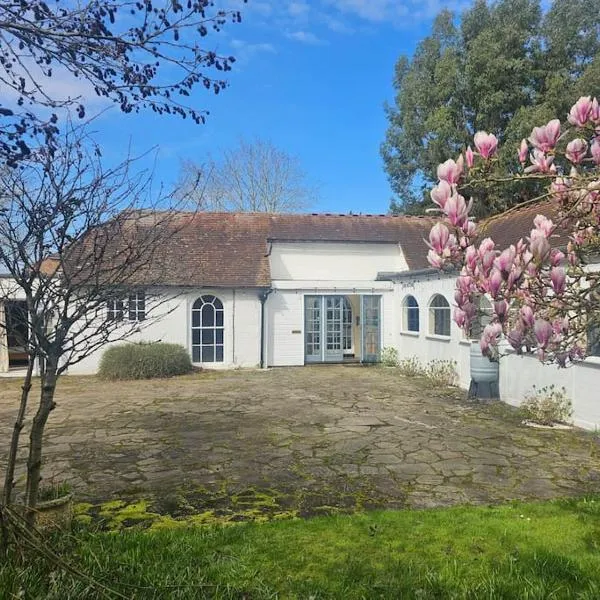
(231, 249)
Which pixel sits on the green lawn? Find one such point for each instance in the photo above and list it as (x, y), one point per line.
(539, 550)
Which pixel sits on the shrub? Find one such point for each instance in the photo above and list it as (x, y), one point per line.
(442, 372)
(411, 367)
(144, 361)
(547, 405)
(389, 356)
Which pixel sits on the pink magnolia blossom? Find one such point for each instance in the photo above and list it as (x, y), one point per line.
(471, 258)
(523, 151)
(460, 317)
(506, 260)
(434, 259)
(540, 163)
(527, 316)
(558, 277)
(595, 112)
(439, 237)
(540, 247)
(487, 245)
(595, 151)
(543, 332)
(560, 187)
(544, 138)
(580, 111)
(576, 150)
(457, 210)
(501, 309)
(544, 225)
(515, 338)
(451, 171)
(469, 228)
(489, 338)
(495, 281)
(486, 144)
(556, 257)
(470, 157)
(487, 262)
(440, 193)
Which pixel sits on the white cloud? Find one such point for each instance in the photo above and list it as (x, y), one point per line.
(244, 51)
(298, 9)
(305, 37)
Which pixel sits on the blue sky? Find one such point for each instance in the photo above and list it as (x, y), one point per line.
(311, 76)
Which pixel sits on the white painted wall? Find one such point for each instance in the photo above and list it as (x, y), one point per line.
(332, 261)
(241, 332)
(518, 374)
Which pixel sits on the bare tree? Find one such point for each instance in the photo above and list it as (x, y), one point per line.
(137, 54)
(80, 241)
(253, 176)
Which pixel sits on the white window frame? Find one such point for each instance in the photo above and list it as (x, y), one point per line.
(440, 317)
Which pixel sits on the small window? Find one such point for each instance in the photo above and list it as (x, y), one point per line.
(115, 309)
(137, 306)
(410, 314)
(439, 316)
(483, 318)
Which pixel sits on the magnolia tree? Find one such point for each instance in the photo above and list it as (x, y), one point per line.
(545, 295)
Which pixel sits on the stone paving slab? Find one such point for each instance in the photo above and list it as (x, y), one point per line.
(335, 432)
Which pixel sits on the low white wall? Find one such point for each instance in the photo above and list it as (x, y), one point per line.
(518, 374)
(241, 328)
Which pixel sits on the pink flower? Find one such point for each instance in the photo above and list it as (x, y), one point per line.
(540, 163)
(523, 150)
(576, 150)
(494, 283)
(543, 332)
(560, 187)
(460, 317)
(595, 150)
(440, 193)
(487, 262)
(469, 228)
(457, 210)
(505, 261)
(515, 338)
(470, 157)
(527, 317)
(543, 138)
(513, 277)
(556, 257)
(450, 170)
(501, 310)
(439, 237)
(471, 258)
(543, 224)
(558, 277)
(486, 144)
(580, 111)
(435, 260)
(540, 247)
(595, 112)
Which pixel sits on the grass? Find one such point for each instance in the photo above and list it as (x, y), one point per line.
(524, 551)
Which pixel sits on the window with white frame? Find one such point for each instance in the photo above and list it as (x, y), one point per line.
(439, 316)
(207, 330)
(593, 339)
(137, 306)
(115, 309)
(410, 314)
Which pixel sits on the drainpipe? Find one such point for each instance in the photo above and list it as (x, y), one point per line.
(263, 299)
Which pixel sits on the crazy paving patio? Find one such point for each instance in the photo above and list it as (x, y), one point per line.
(312, 439)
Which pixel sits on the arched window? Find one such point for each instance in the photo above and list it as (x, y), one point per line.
(439, 316)
(207, 330)
(410, 314)
(483, 318)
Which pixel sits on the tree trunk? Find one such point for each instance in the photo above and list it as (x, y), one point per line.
(34, 461)
(14, 442)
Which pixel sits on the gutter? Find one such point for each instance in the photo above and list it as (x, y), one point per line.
(387, 276)
(263, 299)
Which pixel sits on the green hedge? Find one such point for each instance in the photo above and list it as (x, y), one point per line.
(144, 361)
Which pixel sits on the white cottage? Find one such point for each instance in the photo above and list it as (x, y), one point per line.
(260, 290)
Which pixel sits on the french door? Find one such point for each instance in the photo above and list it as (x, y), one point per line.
(328, 328)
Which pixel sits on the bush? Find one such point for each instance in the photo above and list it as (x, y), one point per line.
(442, 372)
(547, 405)
(389, 356)
(144, 361)
(411, 367)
